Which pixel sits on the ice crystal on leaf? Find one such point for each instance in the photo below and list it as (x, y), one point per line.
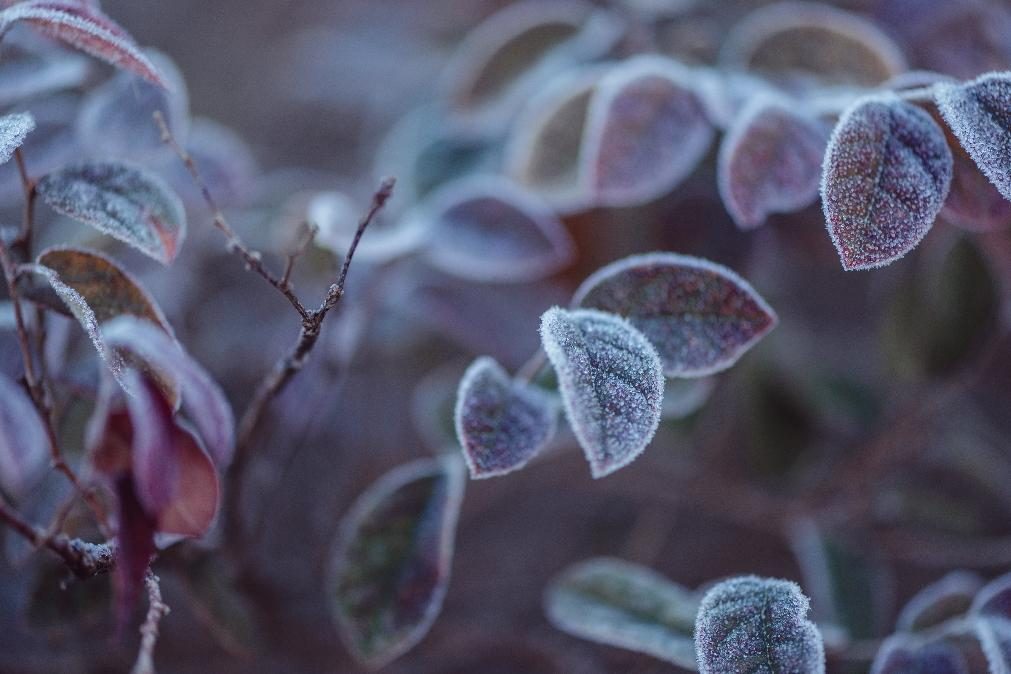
(13, 130)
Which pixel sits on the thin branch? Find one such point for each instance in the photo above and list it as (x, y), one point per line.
(83, 558)
(157, 609)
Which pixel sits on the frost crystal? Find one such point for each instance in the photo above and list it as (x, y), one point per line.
(700, 316)
(13, 130)
(500, 424)
(886, 175)
(751, 625)
(611, 381)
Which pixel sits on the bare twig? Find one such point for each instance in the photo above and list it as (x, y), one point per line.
(83, 558)
(157, 609)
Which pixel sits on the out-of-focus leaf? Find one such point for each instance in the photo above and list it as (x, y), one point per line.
(646, 130)
(202, 399)
(225, 160)
(611, 381)
(979, 114)
(501, 424)
(488, 229)
(617, 603)
(770, 162)
(153, 453)
(700, 316)
(135, 530)
(393, 557)
(902, 655)
(13, 130)
(886, 176)
(684, 397)
(116, 118)
(337, 216)
(24, 449)
(86, 28)
(992, 612)
(194, 504)
(949, 597)
(751, 625)
(32, 69)
(122, 200)
(793, 41)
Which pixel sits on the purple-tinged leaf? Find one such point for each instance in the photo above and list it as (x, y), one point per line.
(24, 449)
(700, 316)
(32, 69)
(201, 397)
(795, 42)
(194, 504)
(751, 625)
(152, 450)
(501, 424)
(134, 547)
(86, 28)
(13, 130)
(725, 94)
(392, 561)
(979, 114)
(225, 160)
(992, 613)
(684, 397)
(902, 655)
(489, 230)
(621, 604)
(886, 175)
(770, 162)
(611, 381)
(122, 200)
(947, 598)
(646, 130)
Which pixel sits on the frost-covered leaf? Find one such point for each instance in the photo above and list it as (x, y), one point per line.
(13, 130)
(501, 424)
(886, 176)
(202, 399)
(86, 28)
(992, 612)
(488, 229)
(611, 381)
(24, 449)
(751, 625)
(947, 598)
(700, 316)
(979, 114)
(901, 655)
(618, 603)
(122, 200)
(770, 162)
(97, 290)
(646, 130)
(793, 41)
(393, 556)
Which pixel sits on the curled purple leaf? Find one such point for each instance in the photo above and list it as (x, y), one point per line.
(751, 625)
(488, 229)
(949, 597)
(700, 316)
(24, 449)
(769, 162)
(124, 201)
(886, 176)
(13, 130)
(611, 381)
(646, 131)
(152, 450)
(902, 655)
(621, 604)
(392, 561)
(501, 424)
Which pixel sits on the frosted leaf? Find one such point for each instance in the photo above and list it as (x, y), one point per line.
(490, 230)
(979, 114)
(201, 398)
(700, 316)
(646, 130)
(24, 449)
(769, 162)
(501, 424)
(992, 613)
(392, 561)
(503, 60)
(901, 655)
(13, 130)
(949, 597)
(886, 175)
(86, 28)
(123, 200)
(544, 147)
(621, 604)
(116, 118)
(337, 216)
(96, 290)
(795, 42)
(751, 625)
(611, 382)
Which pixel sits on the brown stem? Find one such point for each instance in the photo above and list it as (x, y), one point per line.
(157, 609)
(83, 558)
